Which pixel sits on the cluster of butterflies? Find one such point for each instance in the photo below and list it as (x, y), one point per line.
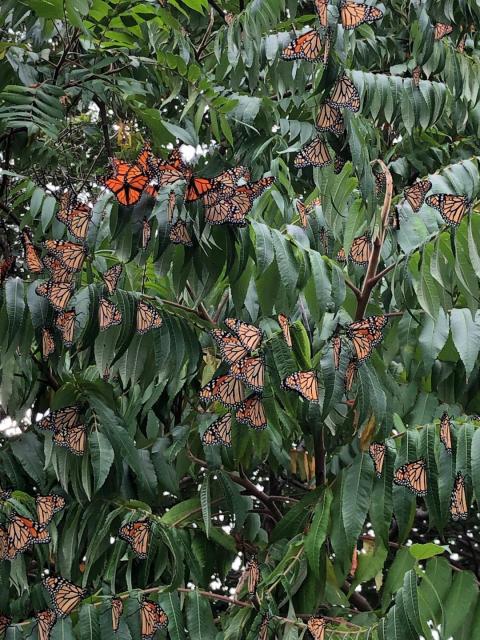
(64, 259)
(66, 596)
(413, 475)
(68, 430)
(451, 207)
(227, 198)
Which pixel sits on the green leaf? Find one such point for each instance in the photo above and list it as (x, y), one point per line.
(460, 599)
(88, 623)
(206, 504)
(101, 457)
(15, 304)
(199, 617)
(317, 533)
(356, 491)
(466, 336)
(425, 551)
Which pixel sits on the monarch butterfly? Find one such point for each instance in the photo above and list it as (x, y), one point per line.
(48, 344)
(58, 271)
(350, 374)
(199, 187)
(235, 204)
(359, 251)
(64, 594)
(337, 350)
(126, 181)
(57, 293)
(225, 184)
(73, 439)
(452, 208)
(47, 507)
(252, 413)
(152, 617)
(353, 15)
(250, 336)
(445, 432)
(4, 623)
(302, 212)
(179, 234)
(6, 267)
(226, 389)
(413, 475)
(147, 318)
(415, 195)
(316, 625)
(313, 154)
(380, 182)
(21, 533)
(458, 500)
(377, 453)
(172, 202)
(263, 630)
(32, 259)
(231, 349)
(252, 571)
(441, 30)
(70, 254)
(417, 75)
(330, 118)
(137, 535)
(338, 164)
(60, 419)
(321, 7)
(108, 314)
(65, 323)
(461, 43)
(170, 171)
(3, 545)
(344, 95)
(309, 46)
(365, 335)
(46, 620)
(117, 610)
(146, 233)
(75, 216)
(5, 494)
(111, 278)
(394, 219)
(219, 432)
(251, 371)
(305, 383)
(285, 327)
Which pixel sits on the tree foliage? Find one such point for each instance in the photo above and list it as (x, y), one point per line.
(86, 80)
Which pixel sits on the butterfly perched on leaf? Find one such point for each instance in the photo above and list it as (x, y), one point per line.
(47, 507)
(344, 95)
(129, 181)
(6, 267)
(251, 371)
(70, 254)
(219, 432)
(249, 335)
(337, 350)
(377, 452)
(461, 43)
(321, 7)
(224, 182)
(413, 475)
(73, 439)
(330, 118)
(304, 210)
(360, 251)
(108, 314)
(226, 389)
(65, 323)
(60, 418)
(350, 374)
(284, 323)
(48, 343)
(451, 207)
(305, 383)
(111, 278)
(309, 46)
(313, 154)
(446, 433)
(146, 233)
(179, 234)
(263, 629)
(172, 203)
(59, 273)
(137, 535)
(252, 413)
(46, 620)
(338, 164)
(67, 431)
(353, 14)
(365, 335)
(64, 594)
(441, 30)
(31, 255)
(417, 75)
(316, 626)
(57, 293)
(147, 318)
(152, 618)
(21, 533)
(252, 571)
(75, 215)
(458, 499)
(232, 206)
(415, 195)
(231, 348)
(117, 610)
(171, 170)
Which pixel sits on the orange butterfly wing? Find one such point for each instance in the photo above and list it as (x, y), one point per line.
(219, 432)
(111, 278)
(70, 254)
(46, 620)
(147, 318)
(65, 323)
(451, 207)
(250, 336)
(48, 343)
(75, 216)
(58, 271)
(285, 327)
(314, 154)
(108, 314)
(308, 46)
(74, 439)
(458, 500)
(316, 625)
(305, 383)
(330, 118)
(179, 234)
(22, 532)
(252, 571)
(137, 534)
(321, 7)
(441, 30)
(231, 349)
(350, 374)
(344, 95)
(415, 195)
(353, 14)
(251, 371)
(413, 475)
(117, 610)
(65, 595)
(225, 389)
(47, 507)
(377, 453)
(445, 432)
(57, 293)
(152, 618)
(32, 259)
(252, 413)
